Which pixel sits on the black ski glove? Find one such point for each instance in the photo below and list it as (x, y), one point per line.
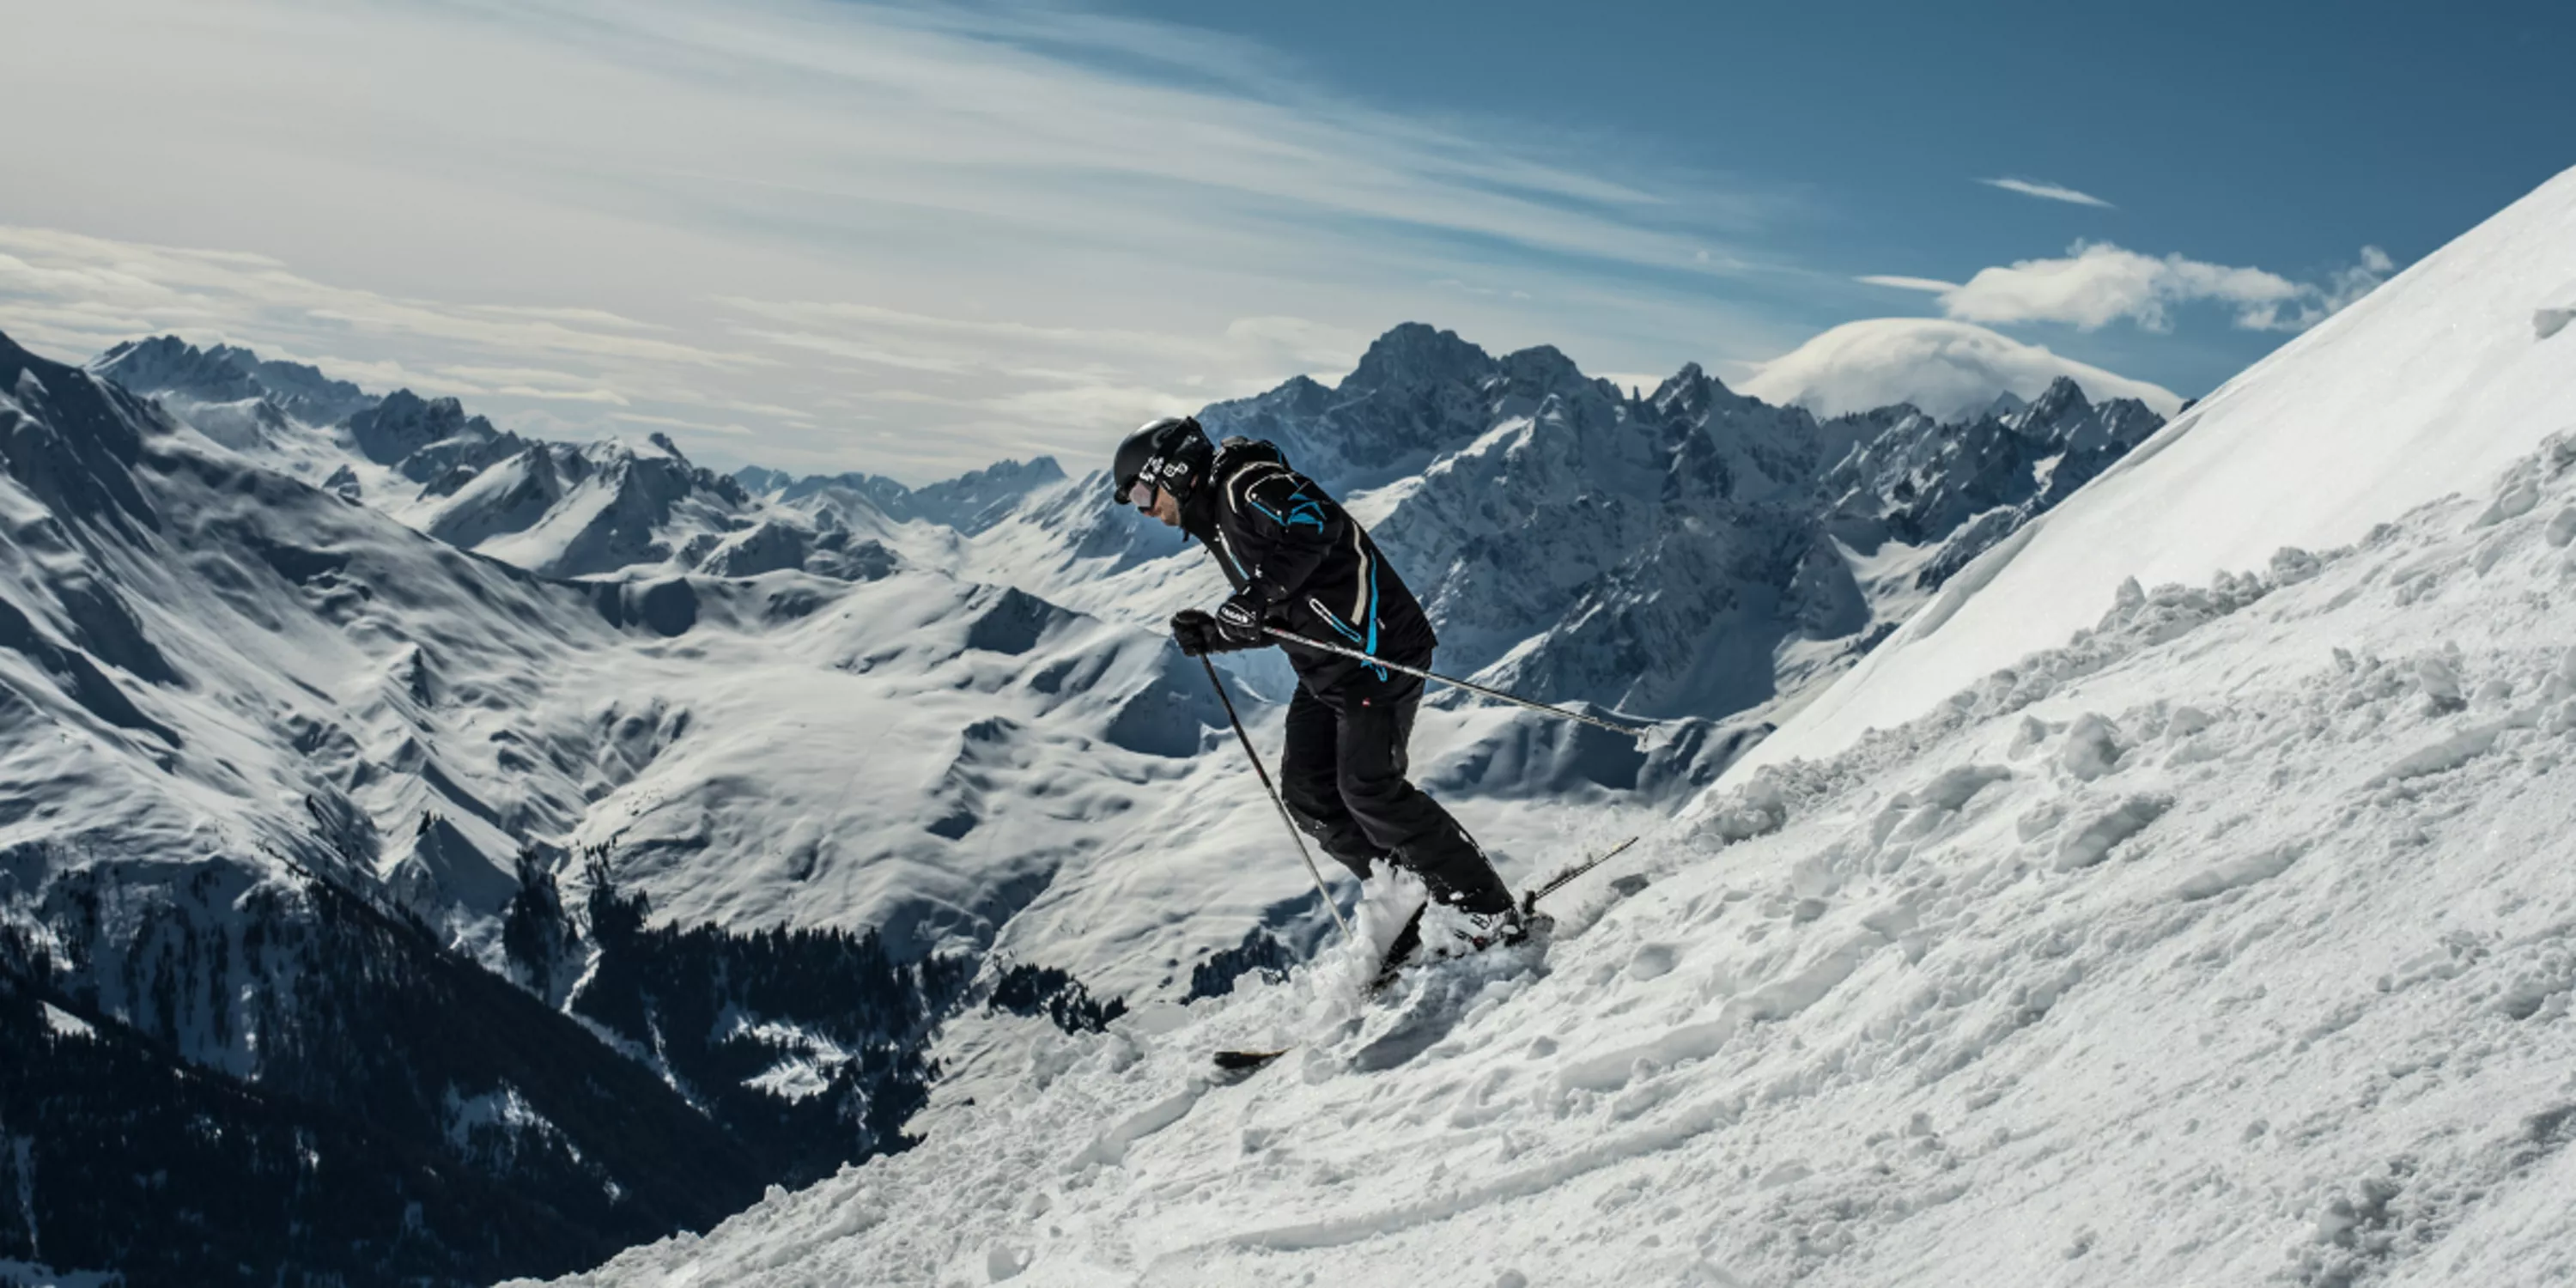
(1199, 633)
(1193, 630)
(1238, 623)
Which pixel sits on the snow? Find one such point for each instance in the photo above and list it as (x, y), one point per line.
(2173, 956)
(2426, 387)
(504, 1112)
(2550, 319)
(64, 1024)
(1952, 370)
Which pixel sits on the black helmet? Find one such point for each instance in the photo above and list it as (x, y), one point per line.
(1172, 453)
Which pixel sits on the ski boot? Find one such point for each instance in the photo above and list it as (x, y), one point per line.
(1505, 927)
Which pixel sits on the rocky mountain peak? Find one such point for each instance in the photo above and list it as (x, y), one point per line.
(1686, 392)
(397, 429)
(970, 503)
(1413, 354)
(70, 439)
(2063, 398)
(1540, 371)
(168, 366)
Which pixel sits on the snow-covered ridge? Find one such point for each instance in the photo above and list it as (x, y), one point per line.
(168, 366)
(636, 509)
(969, 503)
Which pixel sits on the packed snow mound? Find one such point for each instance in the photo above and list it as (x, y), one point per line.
(2227, 942)
(2425, 387)
(1951, 370)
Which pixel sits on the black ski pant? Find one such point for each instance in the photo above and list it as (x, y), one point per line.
(1342, 773)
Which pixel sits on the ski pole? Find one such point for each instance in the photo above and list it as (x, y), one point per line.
(1293, 833)
(1633, 731)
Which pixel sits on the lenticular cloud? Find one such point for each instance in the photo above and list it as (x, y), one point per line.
(1948, 369)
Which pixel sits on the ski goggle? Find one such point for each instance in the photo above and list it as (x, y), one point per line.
(1139, 491)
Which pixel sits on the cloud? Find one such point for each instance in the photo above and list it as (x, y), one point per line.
(579, 316)
(1934, 285)
(1951, 370)
(2048, 192)
(811, 203)
(2098, 283)
(83, 291)
(2358, 279)
(608, 396)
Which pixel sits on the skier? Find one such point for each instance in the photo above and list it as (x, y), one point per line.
(1298, 562)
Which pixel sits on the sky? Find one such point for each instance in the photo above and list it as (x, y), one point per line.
(822, 235)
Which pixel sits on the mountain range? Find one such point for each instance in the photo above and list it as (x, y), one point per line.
(330, 705)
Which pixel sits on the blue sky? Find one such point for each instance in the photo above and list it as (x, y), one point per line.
(826, 235)
(2284, 135)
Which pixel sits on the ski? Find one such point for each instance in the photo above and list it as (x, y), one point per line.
(1237, 1061)
(1390, 964)
(1408, 941)
(1529, 902)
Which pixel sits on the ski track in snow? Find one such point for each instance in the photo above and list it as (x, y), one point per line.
(2229, 942)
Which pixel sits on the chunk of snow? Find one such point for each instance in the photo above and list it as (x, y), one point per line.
(2237, 873)
(2092, 748)
(1954, 786)
(2440, 757)
(2090, 841)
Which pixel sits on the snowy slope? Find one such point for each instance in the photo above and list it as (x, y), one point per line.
(2423, 388)
(2228, 942)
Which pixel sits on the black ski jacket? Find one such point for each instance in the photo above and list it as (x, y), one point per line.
(1304, 565)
